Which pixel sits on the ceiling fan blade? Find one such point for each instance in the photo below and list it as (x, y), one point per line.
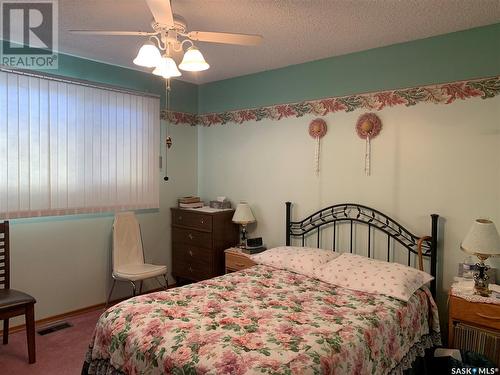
(162, 11)
(226, 38)
(111, 32)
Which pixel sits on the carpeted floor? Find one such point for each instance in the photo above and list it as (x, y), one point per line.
(58, 353)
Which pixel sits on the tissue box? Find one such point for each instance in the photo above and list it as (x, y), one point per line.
(220, 205)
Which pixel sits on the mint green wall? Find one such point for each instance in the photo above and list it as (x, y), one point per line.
(462, 55)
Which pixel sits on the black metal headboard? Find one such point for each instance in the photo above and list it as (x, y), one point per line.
(357, 214)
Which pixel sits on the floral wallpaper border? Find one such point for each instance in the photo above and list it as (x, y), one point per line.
(447, 93)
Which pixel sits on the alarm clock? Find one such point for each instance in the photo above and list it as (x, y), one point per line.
(253, 243)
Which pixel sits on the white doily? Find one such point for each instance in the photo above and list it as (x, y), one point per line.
(465, 290)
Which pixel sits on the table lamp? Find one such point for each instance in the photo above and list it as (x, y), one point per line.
(243, 216)
(482, 241)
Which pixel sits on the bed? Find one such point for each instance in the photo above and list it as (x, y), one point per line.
(274, 321)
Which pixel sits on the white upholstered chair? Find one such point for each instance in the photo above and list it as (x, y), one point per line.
(128, 254)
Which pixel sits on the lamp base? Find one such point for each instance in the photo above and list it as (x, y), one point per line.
(243, 243)
(481, 284)
(482, 291)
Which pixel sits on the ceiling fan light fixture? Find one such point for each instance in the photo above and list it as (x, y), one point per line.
(193, 61)
(167, 68)
(148, 56)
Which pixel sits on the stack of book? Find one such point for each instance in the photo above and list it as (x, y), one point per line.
(190, 202)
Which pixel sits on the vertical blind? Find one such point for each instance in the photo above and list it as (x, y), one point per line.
(67, 148)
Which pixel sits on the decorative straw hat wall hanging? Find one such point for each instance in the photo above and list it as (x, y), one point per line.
(317, 130)
(368, 127)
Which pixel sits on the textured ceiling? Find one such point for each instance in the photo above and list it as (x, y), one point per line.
(294, 31)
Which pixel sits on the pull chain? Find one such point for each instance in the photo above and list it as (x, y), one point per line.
(168, 140)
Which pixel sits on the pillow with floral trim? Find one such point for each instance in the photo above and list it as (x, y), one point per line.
(364, 274)
(302, 260)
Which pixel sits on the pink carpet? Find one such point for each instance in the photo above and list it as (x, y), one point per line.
(58, 353)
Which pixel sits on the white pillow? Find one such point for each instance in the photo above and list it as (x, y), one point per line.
(302, 260)
(360, 273)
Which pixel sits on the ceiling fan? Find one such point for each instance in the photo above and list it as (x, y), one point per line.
(170, 33)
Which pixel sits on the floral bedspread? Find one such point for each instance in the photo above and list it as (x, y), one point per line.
(260, 320)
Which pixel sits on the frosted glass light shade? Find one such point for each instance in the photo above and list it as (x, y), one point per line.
(148, 56)
(193, 61)
(243, 214)
(482, 239)
(167, 68)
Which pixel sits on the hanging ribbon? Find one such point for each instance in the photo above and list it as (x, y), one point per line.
(368, 127)
(316, 157)
(367, 156)
(317, 130)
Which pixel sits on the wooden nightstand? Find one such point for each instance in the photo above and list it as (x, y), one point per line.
(474, 326)
(237, 260)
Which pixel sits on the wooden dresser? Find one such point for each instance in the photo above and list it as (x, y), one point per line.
(198, 242)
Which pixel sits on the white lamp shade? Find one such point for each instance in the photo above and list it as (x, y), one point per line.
(167, 68)
(148, 56)
(482, 239)
(193, 61)
(243, 214)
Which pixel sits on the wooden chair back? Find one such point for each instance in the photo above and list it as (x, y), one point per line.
(4, 256)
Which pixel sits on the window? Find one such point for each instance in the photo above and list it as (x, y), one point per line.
(68, 148)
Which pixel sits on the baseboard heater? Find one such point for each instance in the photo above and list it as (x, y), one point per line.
(478, 340)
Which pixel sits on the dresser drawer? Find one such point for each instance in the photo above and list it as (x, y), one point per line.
(192, 237)
(192, 262)
(192, 220)
(483, 314)
(193, 253)
(236, 262)
(191, 271)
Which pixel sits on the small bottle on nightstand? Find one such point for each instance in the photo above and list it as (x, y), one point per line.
(468, 268)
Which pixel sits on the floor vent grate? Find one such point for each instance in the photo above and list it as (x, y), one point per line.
(54, 328)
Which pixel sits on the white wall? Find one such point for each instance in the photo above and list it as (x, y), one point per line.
(428, 158)
(64, 262)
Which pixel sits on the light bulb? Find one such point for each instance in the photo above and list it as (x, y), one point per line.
(148, 56)
(167, 68)
(193, 61)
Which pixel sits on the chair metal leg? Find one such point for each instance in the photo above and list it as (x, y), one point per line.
(109, 295)
(6, 331)
(133, 287)
(30, 332)
(166, 282)
(140, 287)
